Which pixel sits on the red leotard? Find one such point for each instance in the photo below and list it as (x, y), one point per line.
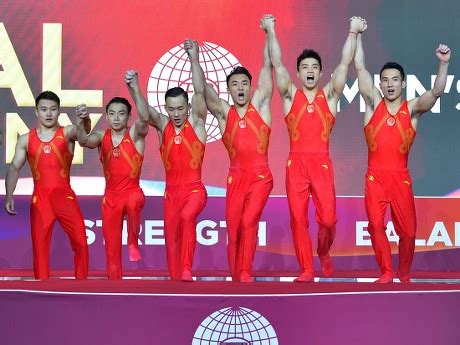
(123, 196)
(389, 139)
(53, 199)
(185, 196)
(309, 171)
(249, 184)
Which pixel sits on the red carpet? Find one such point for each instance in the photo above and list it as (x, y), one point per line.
(147, 282)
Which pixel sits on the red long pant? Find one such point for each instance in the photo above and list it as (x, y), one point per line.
(114, 207)
(49, 205)
(183, 204)
(311, 173)
(385, 187)
(247, 194)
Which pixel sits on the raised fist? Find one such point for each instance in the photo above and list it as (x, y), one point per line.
(191, 47)
(82, 111)
(267, 22)
(131, 79)
(443, 53)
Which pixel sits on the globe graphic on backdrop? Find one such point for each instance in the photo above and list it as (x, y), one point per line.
(173, 69)
(235, 326)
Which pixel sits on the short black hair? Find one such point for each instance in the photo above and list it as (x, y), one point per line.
(49, 95)
(239, 70)
(309, 53)
(176, 91)
(119, 100)
(393, 65)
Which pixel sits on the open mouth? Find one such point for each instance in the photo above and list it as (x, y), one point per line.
(310, 79)
(241, 96)
(391, 92)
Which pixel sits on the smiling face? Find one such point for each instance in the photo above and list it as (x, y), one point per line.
(309, 73)
(118, 116)
(391, 84)
(47, 112)
(239, 87)
(177, 109)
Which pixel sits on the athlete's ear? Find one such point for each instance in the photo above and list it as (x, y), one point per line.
(403, 84)
(298, 76)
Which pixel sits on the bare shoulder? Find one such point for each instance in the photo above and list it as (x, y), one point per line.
(69, 129)
(23, 140)
(197, 119)
(225, 106)
(198, 126)
(222, 113)
(290, 92)
(99, 134)
(164, 120)
(411, 103)
(327, 89)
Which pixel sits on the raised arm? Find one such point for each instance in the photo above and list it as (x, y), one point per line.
(216, 106)
(155, 118)
(335, 88)
(141, 126)
(12, 173)
(284, 83)
(198, 100)
(264, 92)
(425, 102)
(367, 89)
(83, 121)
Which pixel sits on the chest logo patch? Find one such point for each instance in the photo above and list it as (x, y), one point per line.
(391, 121)
(177, 140)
